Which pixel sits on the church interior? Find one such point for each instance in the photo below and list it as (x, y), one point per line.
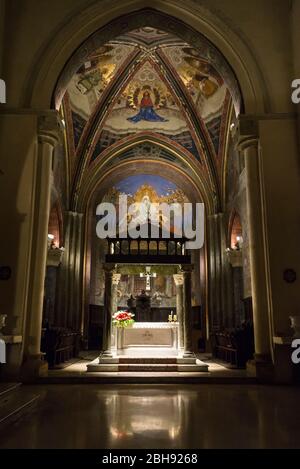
(125, 342)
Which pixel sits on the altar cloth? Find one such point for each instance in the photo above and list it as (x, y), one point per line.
(149, 334)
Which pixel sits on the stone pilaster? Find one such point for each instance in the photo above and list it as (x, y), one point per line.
(49, 134)
(247, 142)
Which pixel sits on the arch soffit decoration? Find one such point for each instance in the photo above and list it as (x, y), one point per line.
(154, 140)
(184, 164)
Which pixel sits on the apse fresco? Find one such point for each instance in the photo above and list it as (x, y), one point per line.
(160, 185)
(147, 189)
(138, 187)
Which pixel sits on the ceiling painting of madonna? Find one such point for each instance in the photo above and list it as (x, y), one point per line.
(150, 84)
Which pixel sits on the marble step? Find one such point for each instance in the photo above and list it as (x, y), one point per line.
(147, 367)
(196, 366)
(165, 367)
(147, 360)
(150, 360)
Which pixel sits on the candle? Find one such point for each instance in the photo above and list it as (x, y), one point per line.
(170, 317)
(175, 318)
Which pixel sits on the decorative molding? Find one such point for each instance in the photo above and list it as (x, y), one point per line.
(12, 339)
(50, 128)
(54, 257)
(178, 279)
(235, 257)
(245, 132)
(282, 340)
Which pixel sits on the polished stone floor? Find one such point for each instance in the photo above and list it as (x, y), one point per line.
(159, 416)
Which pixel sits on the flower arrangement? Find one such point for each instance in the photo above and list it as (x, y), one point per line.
(123, 319)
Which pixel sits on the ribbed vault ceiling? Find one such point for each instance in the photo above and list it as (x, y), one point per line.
(149, 84)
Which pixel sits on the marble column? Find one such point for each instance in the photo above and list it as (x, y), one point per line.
(186, 272)
(49, 133)
(69, 308)
(178, 279)
(215, 271)
(114, 333)
(111, 283)
(246, 136)
(169, 286)
(131, 284)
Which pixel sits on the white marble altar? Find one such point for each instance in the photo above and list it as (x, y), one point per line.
(149, 334)
(147, 347)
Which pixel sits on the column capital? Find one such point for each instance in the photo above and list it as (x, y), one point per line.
(72, 213)
(178, 279)
(215, 216)
(186, 269)
(116, 278)
(109, 268)
(245, 132)
(50, 127)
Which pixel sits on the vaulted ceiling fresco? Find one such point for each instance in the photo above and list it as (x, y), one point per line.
(149, 83)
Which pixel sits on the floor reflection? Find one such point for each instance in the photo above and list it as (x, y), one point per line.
(159, 416)
(154, 416)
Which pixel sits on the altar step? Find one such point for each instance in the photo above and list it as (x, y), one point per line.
(147, 360)
(162, 365)
(156, 360)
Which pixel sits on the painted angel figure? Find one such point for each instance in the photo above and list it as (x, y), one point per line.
(147, 113)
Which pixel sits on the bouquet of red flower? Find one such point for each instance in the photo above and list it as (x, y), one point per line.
(123, 319)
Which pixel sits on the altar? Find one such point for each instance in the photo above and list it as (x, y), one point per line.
(148, 345)
(148, 334)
